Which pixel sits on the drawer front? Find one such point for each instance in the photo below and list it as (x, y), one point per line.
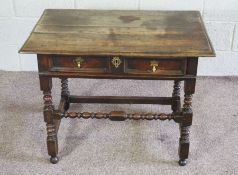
(116, 65)
(164, 67)
(80, 64)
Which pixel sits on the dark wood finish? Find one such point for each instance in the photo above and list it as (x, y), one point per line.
(57, 124)
(89, 64)
(135, 66)
(61, 110)
(121, 100)
(192, 66)
(144, 45)
(189, 89)
(165, 66)
(183, 144)
(176, 104)
(64, 102)
(65, 92)
(52, 141)
(119, 116)
(115, 76)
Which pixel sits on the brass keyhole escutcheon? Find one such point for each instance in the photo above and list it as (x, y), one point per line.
(116, 61)
(154, 65)
(79, 61)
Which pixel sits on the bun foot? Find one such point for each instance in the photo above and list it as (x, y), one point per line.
(182, 162)
(54, 160)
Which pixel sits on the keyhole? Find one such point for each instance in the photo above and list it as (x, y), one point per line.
(116, 62)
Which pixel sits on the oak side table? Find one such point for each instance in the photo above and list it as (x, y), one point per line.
(116, 44)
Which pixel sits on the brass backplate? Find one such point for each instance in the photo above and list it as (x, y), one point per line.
(116, 61)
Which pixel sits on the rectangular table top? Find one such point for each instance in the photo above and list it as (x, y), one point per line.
(120, 33)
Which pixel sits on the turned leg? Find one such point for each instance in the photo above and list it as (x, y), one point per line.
(176, 104)
(52, 141)
(65, 92)
(189, 88)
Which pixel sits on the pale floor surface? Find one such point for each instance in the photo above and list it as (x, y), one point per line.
(103, 147)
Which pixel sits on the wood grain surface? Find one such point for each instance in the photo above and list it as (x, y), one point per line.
(123, 33)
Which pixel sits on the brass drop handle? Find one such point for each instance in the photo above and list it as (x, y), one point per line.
(79, 61)
(154, 65)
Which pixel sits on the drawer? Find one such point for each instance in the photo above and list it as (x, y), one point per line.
(164, 67)
(119, 65)
(80, 64)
